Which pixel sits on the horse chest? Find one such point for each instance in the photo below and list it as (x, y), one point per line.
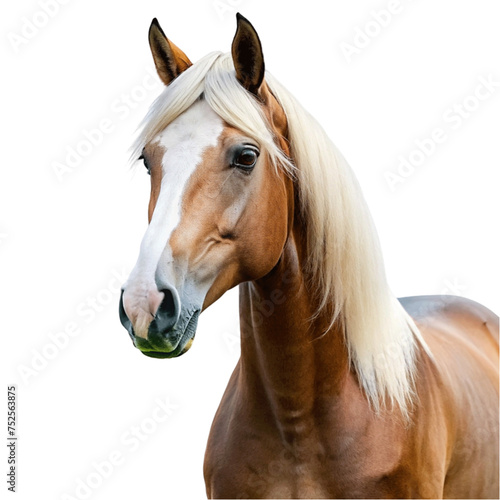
(244, 463)
(254, 471)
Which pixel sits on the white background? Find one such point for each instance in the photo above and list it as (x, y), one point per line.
(62, 241)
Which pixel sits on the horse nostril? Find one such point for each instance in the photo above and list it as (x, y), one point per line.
(162, 334)
(167, 314)
(167, 305)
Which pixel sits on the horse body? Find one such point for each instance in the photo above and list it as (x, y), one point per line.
(341, 391)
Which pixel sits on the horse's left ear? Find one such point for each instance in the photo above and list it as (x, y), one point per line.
(247, 56)
(170, 61)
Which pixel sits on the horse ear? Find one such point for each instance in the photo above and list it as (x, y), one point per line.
(247, 55)
(170, 61)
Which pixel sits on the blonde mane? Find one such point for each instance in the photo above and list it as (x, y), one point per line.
(345, 264)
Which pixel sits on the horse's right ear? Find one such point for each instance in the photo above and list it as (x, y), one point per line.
(170, 61)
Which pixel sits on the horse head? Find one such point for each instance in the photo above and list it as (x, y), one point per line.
(220, 203)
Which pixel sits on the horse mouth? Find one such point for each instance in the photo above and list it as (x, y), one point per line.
(187, 329)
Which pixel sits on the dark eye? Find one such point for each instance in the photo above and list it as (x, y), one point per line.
(145, 163)
(245, 158)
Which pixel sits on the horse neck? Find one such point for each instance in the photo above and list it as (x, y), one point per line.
(287, 365)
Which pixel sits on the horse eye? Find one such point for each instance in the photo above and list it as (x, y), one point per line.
(145, 163)
(246, 158)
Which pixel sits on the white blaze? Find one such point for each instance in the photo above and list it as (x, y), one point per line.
(184, 141)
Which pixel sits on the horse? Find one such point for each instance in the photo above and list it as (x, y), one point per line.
(341, 390)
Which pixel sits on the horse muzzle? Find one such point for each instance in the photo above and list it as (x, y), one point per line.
(166, 332)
